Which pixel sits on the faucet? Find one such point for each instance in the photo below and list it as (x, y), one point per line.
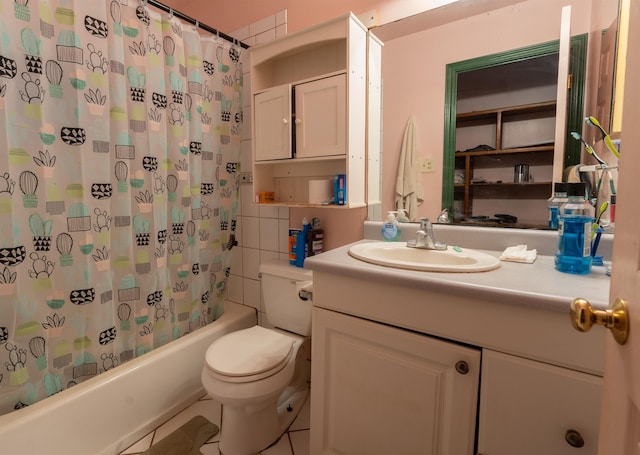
(424, 237)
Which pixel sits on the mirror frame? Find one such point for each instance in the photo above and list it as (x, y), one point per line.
(577, 68)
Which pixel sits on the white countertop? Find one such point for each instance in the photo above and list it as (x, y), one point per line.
(537, 285)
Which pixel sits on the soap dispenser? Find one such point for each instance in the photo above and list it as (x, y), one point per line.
(390, 228)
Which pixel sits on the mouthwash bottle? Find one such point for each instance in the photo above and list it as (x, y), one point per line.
(553, 204)
(575, 218)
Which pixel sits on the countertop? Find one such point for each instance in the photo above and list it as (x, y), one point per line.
(536, 285)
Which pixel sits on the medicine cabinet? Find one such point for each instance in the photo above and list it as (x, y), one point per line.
(312, 93)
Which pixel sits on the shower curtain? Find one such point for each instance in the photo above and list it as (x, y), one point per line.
(119, 159)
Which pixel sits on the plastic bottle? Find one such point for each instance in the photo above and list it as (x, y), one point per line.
(575, 218)
(554, 202)
(390, 229)
(301, 243)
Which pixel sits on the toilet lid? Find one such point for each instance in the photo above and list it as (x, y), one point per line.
(249, 352)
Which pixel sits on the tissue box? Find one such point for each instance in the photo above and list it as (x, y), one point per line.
(320, 191)
(340, 189)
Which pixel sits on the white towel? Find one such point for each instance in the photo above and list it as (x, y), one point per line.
(408, 182)
(519, 253)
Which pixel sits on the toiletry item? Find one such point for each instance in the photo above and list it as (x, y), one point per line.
(315, 238)
(575, 217)
(521, 173)
(612, 209)
(554, 202)
(293, 237)
(301, 243)
(402, 216)
(390, 228)
(340, 189)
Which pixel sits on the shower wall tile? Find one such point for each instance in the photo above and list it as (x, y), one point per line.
(269, 211)
(234, 289)
(251, 290)
(263, 25)
(269, 234)
(283, 236)
(249, 209)
(250, 232)
(262, 231)
(281, 18)
(250, 263)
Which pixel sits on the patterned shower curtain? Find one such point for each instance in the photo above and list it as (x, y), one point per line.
(119, 149)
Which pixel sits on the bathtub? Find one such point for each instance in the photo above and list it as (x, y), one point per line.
(108, 413)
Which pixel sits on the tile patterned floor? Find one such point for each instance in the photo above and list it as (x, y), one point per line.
(294, 442)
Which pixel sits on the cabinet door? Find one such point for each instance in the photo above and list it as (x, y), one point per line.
(381, 390)
(532, 408)
(321, 120)
(272, 124)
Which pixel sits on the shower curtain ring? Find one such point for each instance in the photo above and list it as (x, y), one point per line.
(170, 13)
(196, 25)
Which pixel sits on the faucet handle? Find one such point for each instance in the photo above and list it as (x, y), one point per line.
(425, 224)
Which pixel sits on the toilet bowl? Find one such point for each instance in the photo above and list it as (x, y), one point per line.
(261, 375)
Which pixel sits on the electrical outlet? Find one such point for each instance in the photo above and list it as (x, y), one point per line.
(426, 164)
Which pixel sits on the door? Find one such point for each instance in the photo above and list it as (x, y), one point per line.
(321, 117)
(381, 390)
(272, 120)
(620, 418)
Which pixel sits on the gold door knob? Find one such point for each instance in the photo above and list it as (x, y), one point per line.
(616, 318)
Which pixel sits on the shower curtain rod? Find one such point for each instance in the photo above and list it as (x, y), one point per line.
(196, 22)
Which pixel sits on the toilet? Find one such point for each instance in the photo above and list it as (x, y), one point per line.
(261, 375)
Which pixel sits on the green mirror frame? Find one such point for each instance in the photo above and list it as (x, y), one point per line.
(575, 103)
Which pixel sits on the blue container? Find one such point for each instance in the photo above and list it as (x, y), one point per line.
(575, 220)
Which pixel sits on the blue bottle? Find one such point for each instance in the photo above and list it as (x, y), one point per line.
(575, 219)
(553, 204)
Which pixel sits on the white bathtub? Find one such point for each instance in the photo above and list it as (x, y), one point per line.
(108, 413)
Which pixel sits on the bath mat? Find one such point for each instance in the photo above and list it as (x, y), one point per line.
(186, 440)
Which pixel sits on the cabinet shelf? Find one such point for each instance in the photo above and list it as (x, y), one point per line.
(514, 132)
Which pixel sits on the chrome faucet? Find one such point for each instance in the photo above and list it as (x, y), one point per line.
(424, 237)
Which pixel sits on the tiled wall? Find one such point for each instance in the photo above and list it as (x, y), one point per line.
(262, 231)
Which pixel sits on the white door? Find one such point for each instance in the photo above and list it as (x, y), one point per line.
(272, 124)
(562, 93)
(321, 117)
(620, 418)
(381, 390)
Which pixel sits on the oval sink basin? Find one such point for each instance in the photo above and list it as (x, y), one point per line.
(399, 255)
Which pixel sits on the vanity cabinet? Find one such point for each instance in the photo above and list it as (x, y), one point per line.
(418, 393)
(395, 361)
(310, 92)
(515, 135)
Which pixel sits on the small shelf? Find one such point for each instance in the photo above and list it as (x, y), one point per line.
(514, 132)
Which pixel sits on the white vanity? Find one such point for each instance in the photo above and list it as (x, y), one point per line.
(413, 362)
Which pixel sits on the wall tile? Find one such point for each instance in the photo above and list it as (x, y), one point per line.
(246, 199)
(269, 234)
(265, 37)
(269, 211)
(281, 17)
(235, 289)
(250, 263)
(283, 236)
(250, 232)
(251, 290)
(263, 25)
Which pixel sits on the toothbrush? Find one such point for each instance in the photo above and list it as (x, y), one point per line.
(590, 120)
(588, 148)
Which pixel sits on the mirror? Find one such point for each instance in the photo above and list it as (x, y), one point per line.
(418, 49)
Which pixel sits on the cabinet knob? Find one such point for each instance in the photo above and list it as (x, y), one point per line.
(298, 121)
(574, 439)
(462, 367)
(616, 318)
(285, 121)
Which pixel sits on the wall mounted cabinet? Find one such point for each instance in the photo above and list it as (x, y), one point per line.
(311, 90)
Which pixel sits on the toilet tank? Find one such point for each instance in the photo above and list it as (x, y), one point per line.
(281, 284)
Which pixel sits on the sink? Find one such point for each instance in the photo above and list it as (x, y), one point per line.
(399, 255)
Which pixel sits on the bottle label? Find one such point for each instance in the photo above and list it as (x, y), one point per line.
(389, 231)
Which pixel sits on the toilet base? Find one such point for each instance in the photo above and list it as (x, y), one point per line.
(247, 431)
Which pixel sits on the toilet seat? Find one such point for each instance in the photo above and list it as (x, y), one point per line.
(249, 355)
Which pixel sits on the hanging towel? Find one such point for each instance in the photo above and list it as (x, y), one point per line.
(408, 182)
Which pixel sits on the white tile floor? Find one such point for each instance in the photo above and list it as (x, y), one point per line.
(294, 442)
